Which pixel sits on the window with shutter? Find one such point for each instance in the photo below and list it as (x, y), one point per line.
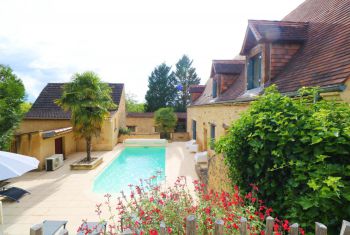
(254, 72)
(212, 136)
(215, 88)
(194, 129)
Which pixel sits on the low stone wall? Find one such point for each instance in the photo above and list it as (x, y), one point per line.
(218, 174)
(138, 136)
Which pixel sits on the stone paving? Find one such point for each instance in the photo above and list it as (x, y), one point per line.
(67, 195)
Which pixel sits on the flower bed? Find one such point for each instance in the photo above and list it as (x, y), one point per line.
(150, 204)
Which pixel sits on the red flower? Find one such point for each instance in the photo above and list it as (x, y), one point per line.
(170, 230)
(207, 210)
(153, 232)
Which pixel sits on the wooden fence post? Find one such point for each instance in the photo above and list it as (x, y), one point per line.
(127, 232)
(36, 229)
(1, 214)
(162, 228)
(219, 227)
(294, 229)
(269, 225)
(243, 226)
(191, 225)
(320, 229)
(345, 228)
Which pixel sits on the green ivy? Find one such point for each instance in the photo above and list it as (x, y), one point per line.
(298, 151)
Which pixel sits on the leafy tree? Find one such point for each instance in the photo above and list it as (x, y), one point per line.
(132, 106)
(297, 151)
(165, 120)
(25, 107)
(89, 101)
(186, 76)
(161, 88)
(12, 95)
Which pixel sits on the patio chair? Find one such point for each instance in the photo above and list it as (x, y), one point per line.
(193, 148)
(95, 227)
(50, 227)
(201, 157)
(189, 143)
(13, 193)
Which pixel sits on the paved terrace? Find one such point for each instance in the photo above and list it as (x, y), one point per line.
(67, 195)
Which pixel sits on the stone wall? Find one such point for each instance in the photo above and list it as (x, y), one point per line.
(220, 115)
(218, 173)
(144, 125)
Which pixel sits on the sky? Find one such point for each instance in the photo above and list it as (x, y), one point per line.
(123, 41)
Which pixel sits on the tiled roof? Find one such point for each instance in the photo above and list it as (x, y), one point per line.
(196, 88)
(273, 31)
(324, 59)
(44, 106)
(228, 67)
(234, 68)
(181, 115)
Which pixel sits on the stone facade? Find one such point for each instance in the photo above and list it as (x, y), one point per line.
(220, 115)
(31, 139)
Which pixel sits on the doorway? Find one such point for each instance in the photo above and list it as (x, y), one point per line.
(59, 146)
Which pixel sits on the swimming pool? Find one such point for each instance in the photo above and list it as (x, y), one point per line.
(133, 164)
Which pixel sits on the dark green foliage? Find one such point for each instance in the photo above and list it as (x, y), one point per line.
(161, 88)
(165, 120)
(123, 131)
(11, 98)
(298, 152)
(89, 101)
(186, 76)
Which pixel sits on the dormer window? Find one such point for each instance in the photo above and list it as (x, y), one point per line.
(254, 72)
(215, 88)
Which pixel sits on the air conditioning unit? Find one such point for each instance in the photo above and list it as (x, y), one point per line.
(54, 162)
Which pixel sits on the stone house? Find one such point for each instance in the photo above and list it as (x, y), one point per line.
(308, 47)
(46, 129)
(142, 125)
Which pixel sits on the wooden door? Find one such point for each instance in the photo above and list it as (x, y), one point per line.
(59, 146)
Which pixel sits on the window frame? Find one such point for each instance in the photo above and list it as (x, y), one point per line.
(194, 129)
(212, 135)
(215, 88)
(252, 73)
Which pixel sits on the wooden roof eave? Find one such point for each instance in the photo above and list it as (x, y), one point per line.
(257, 37)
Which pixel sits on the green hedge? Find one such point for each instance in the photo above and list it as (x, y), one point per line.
(298, 151)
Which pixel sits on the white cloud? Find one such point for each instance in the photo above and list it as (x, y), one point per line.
(46, 41)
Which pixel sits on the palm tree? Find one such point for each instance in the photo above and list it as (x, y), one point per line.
(89, 101)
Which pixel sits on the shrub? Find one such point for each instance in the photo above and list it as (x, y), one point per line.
(165, 120)
(297, 152)
(150, 203)
(12, 94)
(124, 131)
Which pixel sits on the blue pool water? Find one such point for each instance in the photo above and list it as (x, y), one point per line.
(133, 164)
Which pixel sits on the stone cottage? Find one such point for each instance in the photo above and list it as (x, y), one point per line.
(47, 130)
(308, 47)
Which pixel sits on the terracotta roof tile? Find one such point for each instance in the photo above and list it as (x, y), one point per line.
(273, 31)
(324, 59)
(196, 88)
(227, 67)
